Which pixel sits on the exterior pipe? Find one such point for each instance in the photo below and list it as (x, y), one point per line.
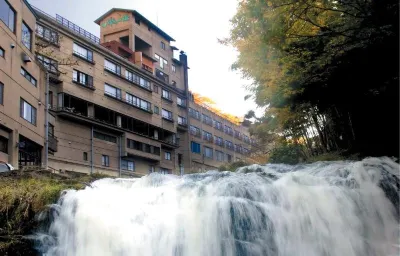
(120, 155)
(46, 107)
(91, 151)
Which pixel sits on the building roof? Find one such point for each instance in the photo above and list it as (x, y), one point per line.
(137, 15)
(30, 8)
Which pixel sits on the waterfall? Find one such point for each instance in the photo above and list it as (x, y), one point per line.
(340, 208)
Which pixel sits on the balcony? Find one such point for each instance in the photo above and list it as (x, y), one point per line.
(53, 143)
(208, 138)
(162, 76)
(238, 135)
(120, 49)
(144, 61)
(207, 121)
(79, 110)
(219, 143)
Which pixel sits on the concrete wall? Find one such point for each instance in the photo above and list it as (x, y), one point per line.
(16, 86)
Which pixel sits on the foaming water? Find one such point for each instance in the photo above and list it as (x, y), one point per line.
(326, 208)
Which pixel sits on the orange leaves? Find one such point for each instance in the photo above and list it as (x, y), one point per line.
(211, 106)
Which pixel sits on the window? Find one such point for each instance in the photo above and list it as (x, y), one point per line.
(85, 156)
(217, 125)
(182, 120)
(50, 99)
(112, 91)
(195, 147)
(51, 130)
(166, 114)
(129, 75)
(228, 158)
(83, 52)
(207, 120)
(238, 148)
(105, 137)
(167, 155)
(155, 88)
(166, 95)
(27, 112)
(161, 61)
(50, 64)
(194, 113)
(208, 152)
(138, 102)
(163, 45)
(105, 160)
(2, 51)
(28, 76)
(228, 130)
(246, 139)
(238, 135)
(194, 131)
(181, 102)
(207, 136)
(47, 34)
(229, 144)
(219, 156)
(173, 67)
(26, 36)
(218, 141)
(3, 145)
(1, 93)
(128, 165)
(7, 15)
(151, 169)
(162, 76)
(173, 83)
(110, 66)
(156, 110)
(82, 78)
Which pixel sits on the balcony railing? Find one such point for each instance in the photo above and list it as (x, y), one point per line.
(219, 143)
(147, 68)
(207, 121)
(208, 138)
(195, 133)
(229, 146)
(182, 122)
(66, 23)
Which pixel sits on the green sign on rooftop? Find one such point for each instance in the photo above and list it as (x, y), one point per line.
(113, 21)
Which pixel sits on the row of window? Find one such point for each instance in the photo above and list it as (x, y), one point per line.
(137, 145)
(195, 131)
(209, 152)
(105, 137)
(217, 124)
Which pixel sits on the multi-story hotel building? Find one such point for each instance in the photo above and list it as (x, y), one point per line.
(116, 104)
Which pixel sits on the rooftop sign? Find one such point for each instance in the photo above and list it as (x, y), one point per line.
(112, 21)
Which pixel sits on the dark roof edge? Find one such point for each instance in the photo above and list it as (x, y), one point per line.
(30, 8)
(141, 17)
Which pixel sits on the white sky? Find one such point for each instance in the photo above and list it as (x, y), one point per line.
(195, 25)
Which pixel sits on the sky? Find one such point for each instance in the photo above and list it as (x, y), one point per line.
(195, 25)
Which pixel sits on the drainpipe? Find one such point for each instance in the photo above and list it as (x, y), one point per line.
(91, 151)
(46, 121)
(183, 59)
(120, 155)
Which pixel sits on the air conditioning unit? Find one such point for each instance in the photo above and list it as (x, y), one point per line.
(26, 58)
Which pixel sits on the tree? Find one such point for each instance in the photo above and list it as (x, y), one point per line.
(322, 68)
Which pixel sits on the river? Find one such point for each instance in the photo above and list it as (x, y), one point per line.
(323, 209)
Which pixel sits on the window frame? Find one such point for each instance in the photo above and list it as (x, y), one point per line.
(88, 57)
(138, 101)
(173, 68)
(210, 150)
(170, 115)
(117, 67)
(168, 95)
(167, 155)
(105, 160)
(53, 34)
(7, 23)
(1, 93)
(193, 147)
(28, 76)
(33, 111)
(88, 78)
(106, 137)
(117, 95)
(162, 45)
(2, 52)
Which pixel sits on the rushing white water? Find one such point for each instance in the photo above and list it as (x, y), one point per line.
(326, 208)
